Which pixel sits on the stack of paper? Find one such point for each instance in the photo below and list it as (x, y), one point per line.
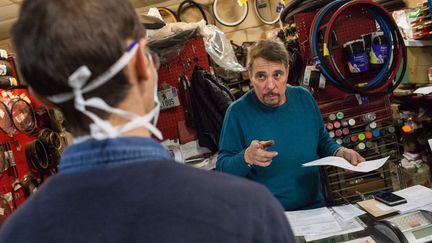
(320, 223)
(347, 226)
(312, 222)
(417, 197)
(348, 211)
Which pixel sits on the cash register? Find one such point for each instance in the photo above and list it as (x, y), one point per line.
(414, 227)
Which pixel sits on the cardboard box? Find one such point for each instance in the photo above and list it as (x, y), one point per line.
(419, 61)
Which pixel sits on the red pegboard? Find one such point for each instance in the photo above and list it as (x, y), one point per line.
(193, 53)
(349, 26)
(17, 142)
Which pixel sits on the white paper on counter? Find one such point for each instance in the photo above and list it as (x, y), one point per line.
(348, 211)
(416, 196)
(423, 90)
(367, 239)
(347, 226)
(343, 163)
(426, 207)
(192, 149)
(312, 222)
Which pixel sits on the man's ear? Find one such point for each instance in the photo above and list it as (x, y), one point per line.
(142, 62)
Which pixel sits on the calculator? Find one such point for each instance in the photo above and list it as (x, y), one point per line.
(414, 227)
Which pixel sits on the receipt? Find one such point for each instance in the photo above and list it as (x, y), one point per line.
(365, 166)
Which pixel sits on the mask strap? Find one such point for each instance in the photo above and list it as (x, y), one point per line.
(78, 78)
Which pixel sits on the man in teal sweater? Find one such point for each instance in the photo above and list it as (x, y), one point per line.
(273, 129)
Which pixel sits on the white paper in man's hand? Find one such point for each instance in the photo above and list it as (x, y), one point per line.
(365, 166)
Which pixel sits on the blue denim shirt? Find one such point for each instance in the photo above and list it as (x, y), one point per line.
(92, 153)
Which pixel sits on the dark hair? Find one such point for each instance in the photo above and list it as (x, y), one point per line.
(53, 38)
(272, 50)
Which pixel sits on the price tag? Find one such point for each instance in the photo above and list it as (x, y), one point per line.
(20, 117)
(241, 2)
(168, 98)
(3, 70)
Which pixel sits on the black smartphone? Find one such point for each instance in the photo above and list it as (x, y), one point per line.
(390, 199)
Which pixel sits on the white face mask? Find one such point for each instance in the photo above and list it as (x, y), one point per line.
(102, 129)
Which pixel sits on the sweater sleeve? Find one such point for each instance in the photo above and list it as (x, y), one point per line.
(326, 145)
(272, 224)
(231, 147)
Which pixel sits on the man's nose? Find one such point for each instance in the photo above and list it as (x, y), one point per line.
(270, 83)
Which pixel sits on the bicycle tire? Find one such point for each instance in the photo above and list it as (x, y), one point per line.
(191, 3)
(168, 12)
(274, 21)
(225, 23)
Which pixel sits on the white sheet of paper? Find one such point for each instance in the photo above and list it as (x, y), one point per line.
(367, 239)
(192, 148)
(423, 90)
(343, 163)
(348, 211)
(426, 207)
(417, 196)
(312, 222)
(347, 226)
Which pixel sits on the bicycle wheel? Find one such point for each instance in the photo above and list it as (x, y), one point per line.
(167, 14)
(228, 13)
(189, 3)
(266, 11)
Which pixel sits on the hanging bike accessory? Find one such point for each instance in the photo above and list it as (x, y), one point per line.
(6, 123)
(4, 163)
(23, 116)
(268, 11)
(7, 82)
(187, 4)
(30, 184)
(10, 159)
(229, 13)
(382, 83)
(53, 144)
(37, 156)
(5, 68)
(56, 120)
(5, 209)
(167, 12)
(184, 87)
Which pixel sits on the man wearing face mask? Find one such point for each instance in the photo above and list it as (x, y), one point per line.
(115, 184)
(273, 129)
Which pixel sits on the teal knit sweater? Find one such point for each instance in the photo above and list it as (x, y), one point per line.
(299, 134)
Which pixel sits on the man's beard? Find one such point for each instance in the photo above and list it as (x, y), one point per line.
(269, 94)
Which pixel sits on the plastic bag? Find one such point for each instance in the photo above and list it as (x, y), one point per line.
(220, 49)
(217, 46)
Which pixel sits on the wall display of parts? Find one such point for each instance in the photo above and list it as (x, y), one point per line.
(193, 53)
(343, 32)
(31, 143)
(370, 131)
(369, 62)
